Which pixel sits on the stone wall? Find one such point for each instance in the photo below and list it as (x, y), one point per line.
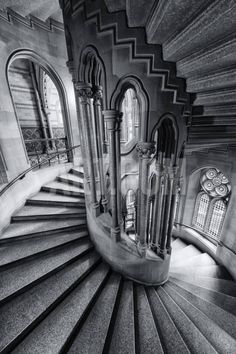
(49, 44)
(224, 160)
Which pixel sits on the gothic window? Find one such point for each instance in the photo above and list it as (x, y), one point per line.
(211, 203)
(130, 122)
(217, 218)
(130, 218)
(202, 209)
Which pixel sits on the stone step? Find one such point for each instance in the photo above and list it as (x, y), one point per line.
(218, 80)
(138, 12)
(19, 278)
(63, 189)
(168, 18)
(216, 22)
(71, 179)
(213, 271)
(186, 253)
(172, 341)
(223, 319)
(78, 171)
(221, 341)
(123, 334)
(178, 245)
(37, 210)
(226, 302)
(211, 98)
(193, 338)
(217, 56)
(29, 229)
(52, 199)
(23, 313)
(148, 340)
(66, 317)
(98, 321)
(223, 286)
(26, 249)
(200, 261)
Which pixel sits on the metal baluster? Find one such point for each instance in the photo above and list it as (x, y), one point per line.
(36, 152)
(67, 148)
(58, 153)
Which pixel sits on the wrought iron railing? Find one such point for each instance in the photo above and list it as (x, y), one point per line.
(41, 149)
(47, 161)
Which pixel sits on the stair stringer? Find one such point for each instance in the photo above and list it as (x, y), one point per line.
(135, 39)
(124, 257)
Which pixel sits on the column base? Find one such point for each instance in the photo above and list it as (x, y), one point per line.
(162, 253)
(104, 205)
(115, 234)
(142, 249)
(95, 209)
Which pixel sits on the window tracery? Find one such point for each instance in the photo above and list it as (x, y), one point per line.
(211, 202)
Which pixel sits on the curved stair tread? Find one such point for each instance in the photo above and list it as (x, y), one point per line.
(17, 279)
(49, 198)
(224, 319)
(65, 317)
(71, 179)
(178, 245)
(186, 253)
(147, 336)
(123, 334)
(37, 210)
(213, 271)
(194, 339)
(23, 313)
(38, 227)
(219, 339)
(171, 339)
(64, 187)
(202, 259)
(35, 247)
(226, 302)
(224, 286)
(96, 323)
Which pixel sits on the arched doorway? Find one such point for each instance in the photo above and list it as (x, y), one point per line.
(40, 106)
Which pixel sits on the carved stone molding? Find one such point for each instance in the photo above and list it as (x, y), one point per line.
(145, 149)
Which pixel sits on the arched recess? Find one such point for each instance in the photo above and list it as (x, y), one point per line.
(35, 59)
(166, 135)
(92, 70)
(133, 87)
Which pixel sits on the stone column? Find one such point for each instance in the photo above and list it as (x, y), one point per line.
(172, 209)
(84, 93)
(97, 102)
(72, 71)
(167, 209)
(112, 119)
(118, 170)
(157, 206)
(145, 150)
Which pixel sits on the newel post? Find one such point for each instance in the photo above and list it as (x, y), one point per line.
(112, 119)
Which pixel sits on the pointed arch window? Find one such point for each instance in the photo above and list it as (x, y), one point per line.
(211, 203)
(130, 110)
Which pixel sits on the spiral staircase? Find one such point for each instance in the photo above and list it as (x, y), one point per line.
(59, 296)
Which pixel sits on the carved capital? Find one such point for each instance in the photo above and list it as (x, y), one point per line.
(145, 150)
(97, 95)
(84, 92)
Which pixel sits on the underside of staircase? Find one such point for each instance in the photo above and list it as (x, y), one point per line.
(58, 295)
